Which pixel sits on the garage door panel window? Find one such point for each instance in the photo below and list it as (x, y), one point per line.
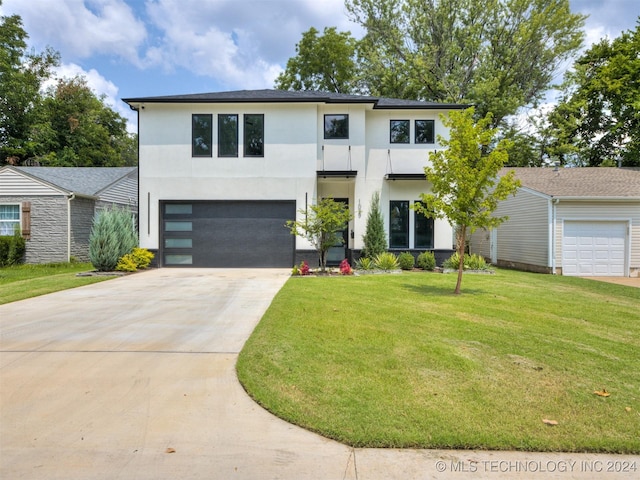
(201, 136)
(178, 259)
(227, 135)
(178, 243)
(178, 209)
(175, 226)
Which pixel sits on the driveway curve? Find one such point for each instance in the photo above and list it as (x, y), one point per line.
(134, 378)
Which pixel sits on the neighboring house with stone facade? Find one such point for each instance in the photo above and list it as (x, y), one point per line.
(54, 207)
(568, 221)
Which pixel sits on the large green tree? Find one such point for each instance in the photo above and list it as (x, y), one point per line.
(323, 62)
(21, 76)
(499, 55)
(77, 129)
(465, 187)
(597, 119)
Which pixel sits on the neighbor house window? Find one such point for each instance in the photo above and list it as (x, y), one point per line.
(399, 131)
(201, 125)
(399, 224)
(423, 231)
(336, 126)
(254, 135)
(227, 135)
(9, 219)
(425, 131)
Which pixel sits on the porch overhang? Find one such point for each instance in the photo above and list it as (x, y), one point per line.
(335, 174)
(405, 176)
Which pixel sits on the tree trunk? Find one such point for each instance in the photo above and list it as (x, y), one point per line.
(461, 238)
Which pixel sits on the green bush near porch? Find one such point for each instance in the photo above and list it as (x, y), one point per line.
(399, 361)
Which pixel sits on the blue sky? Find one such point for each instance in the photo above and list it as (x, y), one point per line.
(131, 48)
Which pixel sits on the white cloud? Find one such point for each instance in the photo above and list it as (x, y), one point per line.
(241, 44)
(82, 28)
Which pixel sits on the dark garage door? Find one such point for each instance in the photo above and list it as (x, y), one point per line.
(227, 234)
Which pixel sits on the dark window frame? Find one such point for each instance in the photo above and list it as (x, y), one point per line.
(330, 134)
(403, 211)
(392, 139)
(233, 150)
(245, 134)
(198, 143)
(419, 131)
(418, 216)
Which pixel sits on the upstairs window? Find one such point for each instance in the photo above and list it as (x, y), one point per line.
(201, 125)
(9, 219)
(227, 135)
(336, 126)
(254, 135)
(425, 131)
(399, 131)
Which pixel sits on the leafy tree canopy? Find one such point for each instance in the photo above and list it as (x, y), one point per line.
(323, 63)
(597, 119)
(67, 125)
(464, 178)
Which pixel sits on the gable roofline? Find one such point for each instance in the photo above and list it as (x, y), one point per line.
(87, 182)
(287, 96)
(581, 183)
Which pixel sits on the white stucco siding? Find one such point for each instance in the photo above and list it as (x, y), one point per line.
(524, 237)
(602, 211)
(168, 171)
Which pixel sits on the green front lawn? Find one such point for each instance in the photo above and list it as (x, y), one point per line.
(399, 361)
(26, 281)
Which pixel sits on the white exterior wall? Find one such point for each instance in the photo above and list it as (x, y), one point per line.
(286, 172)
(620, 211)
(294, 150)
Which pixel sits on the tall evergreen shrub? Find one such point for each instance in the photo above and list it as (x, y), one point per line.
(375, 238)
(113, 235)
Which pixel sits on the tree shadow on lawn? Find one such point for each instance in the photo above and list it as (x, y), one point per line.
(438, 290)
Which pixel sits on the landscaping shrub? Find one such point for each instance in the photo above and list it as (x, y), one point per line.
(345, 268)
(138, 259)
(471, 262)
(406, 261)
(365, 263)
(427, 260)
(113, 235)
(12, 249)
(302, 269)
(386, 261)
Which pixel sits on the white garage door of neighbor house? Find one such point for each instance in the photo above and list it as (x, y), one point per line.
(594, 249)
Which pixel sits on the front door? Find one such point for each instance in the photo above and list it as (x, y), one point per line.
(339, 252)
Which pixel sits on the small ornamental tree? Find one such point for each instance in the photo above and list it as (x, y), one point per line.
(374, 238)
(320, 226)
(464, 178)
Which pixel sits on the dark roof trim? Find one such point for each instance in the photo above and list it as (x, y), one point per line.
(337, 173)
(286, 96)
(405, 176)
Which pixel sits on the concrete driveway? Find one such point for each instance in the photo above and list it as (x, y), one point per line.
(102, 381)
(134, 378)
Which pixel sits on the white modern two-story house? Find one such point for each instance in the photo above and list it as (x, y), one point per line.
(221, 173)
